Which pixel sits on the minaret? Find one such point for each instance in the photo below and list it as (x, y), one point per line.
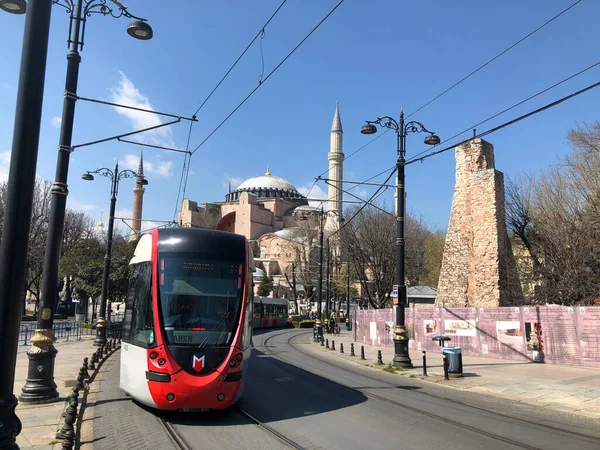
(336, 159)
(138, 199)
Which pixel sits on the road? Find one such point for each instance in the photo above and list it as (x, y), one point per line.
(317, 402)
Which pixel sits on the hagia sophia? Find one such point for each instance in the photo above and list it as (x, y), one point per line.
(272, 213)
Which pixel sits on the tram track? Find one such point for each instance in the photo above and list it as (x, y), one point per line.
(177, 439)
(267, 429)
(413, 409)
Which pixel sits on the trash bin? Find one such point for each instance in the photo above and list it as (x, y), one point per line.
(454, 355)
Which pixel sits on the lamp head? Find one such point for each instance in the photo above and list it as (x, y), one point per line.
(140, 30)
(14, 6)
(87, 177)
(432, 139)
(368, 129)
(144, 182)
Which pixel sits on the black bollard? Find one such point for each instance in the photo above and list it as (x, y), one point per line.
(362, 352)
(327, 343)
(79, 384)
(70, 418)
(74, 395)
(332, 344)
(86, 374)
(342, 347)
(93, 363)
(322, 341)
(379, 359)
(352, 349)
(424, 363)
(445, 367)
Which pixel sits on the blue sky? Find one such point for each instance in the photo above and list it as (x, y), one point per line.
(374, 57)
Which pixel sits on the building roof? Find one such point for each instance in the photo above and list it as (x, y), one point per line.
(337, 123)
(420, 291)
(266, 181)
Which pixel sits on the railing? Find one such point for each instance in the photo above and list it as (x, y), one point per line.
(62, 330)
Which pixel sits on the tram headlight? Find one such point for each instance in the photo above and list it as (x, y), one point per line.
(239, 357)
(153, 355)
(232, 363)
(170, 397)
(221, 397)
(162, 362)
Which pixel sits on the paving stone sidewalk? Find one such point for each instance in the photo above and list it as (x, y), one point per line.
(40, 422)
(573, 389)
(112, 421)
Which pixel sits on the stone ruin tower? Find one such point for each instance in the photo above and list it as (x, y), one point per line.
(478, 266)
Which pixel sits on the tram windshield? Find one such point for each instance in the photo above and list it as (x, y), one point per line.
(200, 299)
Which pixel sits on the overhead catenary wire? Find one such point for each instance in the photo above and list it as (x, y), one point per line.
(268, 76)
(468, 76)
(494, 58)
(513, 106)
(260, 33)
(480, 135)
(506, 124)
(187, 158)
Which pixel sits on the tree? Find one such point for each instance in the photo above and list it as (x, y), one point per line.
(369, 242)
(556, 215)
(266, 286)
(38, 234)
(85, 262)
(292, 285)
(433, 254)
(303, 242)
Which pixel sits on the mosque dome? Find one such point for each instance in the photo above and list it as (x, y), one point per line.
(267, 186)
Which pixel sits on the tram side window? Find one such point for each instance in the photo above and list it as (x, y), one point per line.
(257, 310)
(138, 325)
(281, 312)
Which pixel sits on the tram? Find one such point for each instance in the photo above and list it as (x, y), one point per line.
(270, 312)
(188, 320)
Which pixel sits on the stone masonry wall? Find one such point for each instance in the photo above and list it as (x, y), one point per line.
(478, 267)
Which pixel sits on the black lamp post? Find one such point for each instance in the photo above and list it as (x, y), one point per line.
(115, 176)
(319, 324)
(19, 200)
(348, 301)
(328, 285)
(40, 386)
(401, 356)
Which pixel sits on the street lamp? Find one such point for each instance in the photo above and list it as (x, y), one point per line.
(115, 176)
(19, 195)
(13, 6)
(401, 356)
(40, 386)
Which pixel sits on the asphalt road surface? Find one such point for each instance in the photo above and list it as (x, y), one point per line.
(297, 397)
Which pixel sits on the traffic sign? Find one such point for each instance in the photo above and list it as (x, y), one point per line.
(395, 291)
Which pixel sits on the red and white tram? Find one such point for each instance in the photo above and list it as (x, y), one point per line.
(188, 320)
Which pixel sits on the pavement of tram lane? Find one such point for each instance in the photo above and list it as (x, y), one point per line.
(556, 387)
(40, 421)
(111, 421)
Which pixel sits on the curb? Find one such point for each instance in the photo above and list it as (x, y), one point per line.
(70, 430)
(437, 380)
